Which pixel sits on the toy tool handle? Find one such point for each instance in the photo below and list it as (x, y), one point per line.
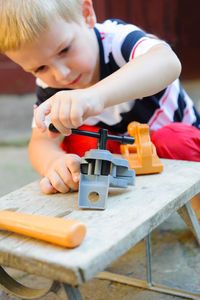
(68, 233)
(101, 135)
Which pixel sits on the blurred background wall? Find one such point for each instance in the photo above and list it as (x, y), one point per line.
(176, 21)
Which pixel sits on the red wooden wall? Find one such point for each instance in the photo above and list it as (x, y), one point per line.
(13, 80)
(176, 21)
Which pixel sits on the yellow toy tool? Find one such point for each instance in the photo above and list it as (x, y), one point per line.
(142, 156)
(63, 232)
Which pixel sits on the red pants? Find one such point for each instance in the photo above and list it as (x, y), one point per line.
(173, 141)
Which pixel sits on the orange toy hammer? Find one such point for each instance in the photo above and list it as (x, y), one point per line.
(63, 232)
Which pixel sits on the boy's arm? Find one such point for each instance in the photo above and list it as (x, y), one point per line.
(60, 171)
(143, 76)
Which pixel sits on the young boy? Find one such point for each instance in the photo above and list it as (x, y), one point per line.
(99, 75)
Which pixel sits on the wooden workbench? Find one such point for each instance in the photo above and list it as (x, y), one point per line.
(131, 214)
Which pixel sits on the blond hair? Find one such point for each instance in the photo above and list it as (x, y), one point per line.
(22, 21)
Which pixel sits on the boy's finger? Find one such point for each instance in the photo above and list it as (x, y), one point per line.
(66, 176)
(58, 183)
(73, 163)
(76, 177)
(46, 186)
(40, 112)
(53, 129)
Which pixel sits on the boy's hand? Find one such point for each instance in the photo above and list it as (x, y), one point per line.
(68, 109)
(62, 175)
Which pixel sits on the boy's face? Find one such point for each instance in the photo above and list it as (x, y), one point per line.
(64, 56)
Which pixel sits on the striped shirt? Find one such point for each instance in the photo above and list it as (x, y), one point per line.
(119, 43)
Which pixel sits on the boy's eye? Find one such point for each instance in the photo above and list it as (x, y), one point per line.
(41, 68)
(64, 50)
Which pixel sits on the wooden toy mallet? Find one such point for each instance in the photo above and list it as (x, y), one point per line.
(63, 232)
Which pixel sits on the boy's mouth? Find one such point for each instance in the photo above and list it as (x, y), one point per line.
(75, 80)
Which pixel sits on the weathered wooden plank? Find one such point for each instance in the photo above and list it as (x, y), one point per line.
(131, 214)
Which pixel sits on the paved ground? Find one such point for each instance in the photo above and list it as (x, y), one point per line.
(176, 255)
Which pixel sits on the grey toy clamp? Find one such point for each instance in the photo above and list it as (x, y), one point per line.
(100, 169)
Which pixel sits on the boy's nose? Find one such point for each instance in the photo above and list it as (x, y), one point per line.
(61, 73)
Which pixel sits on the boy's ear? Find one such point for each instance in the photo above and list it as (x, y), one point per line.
(88, 13)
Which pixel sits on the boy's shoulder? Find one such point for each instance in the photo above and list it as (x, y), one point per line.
(121, 41)
(115, 26)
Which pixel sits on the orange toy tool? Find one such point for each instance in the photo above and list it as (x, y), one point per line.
(67, 233)
(142, 156)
